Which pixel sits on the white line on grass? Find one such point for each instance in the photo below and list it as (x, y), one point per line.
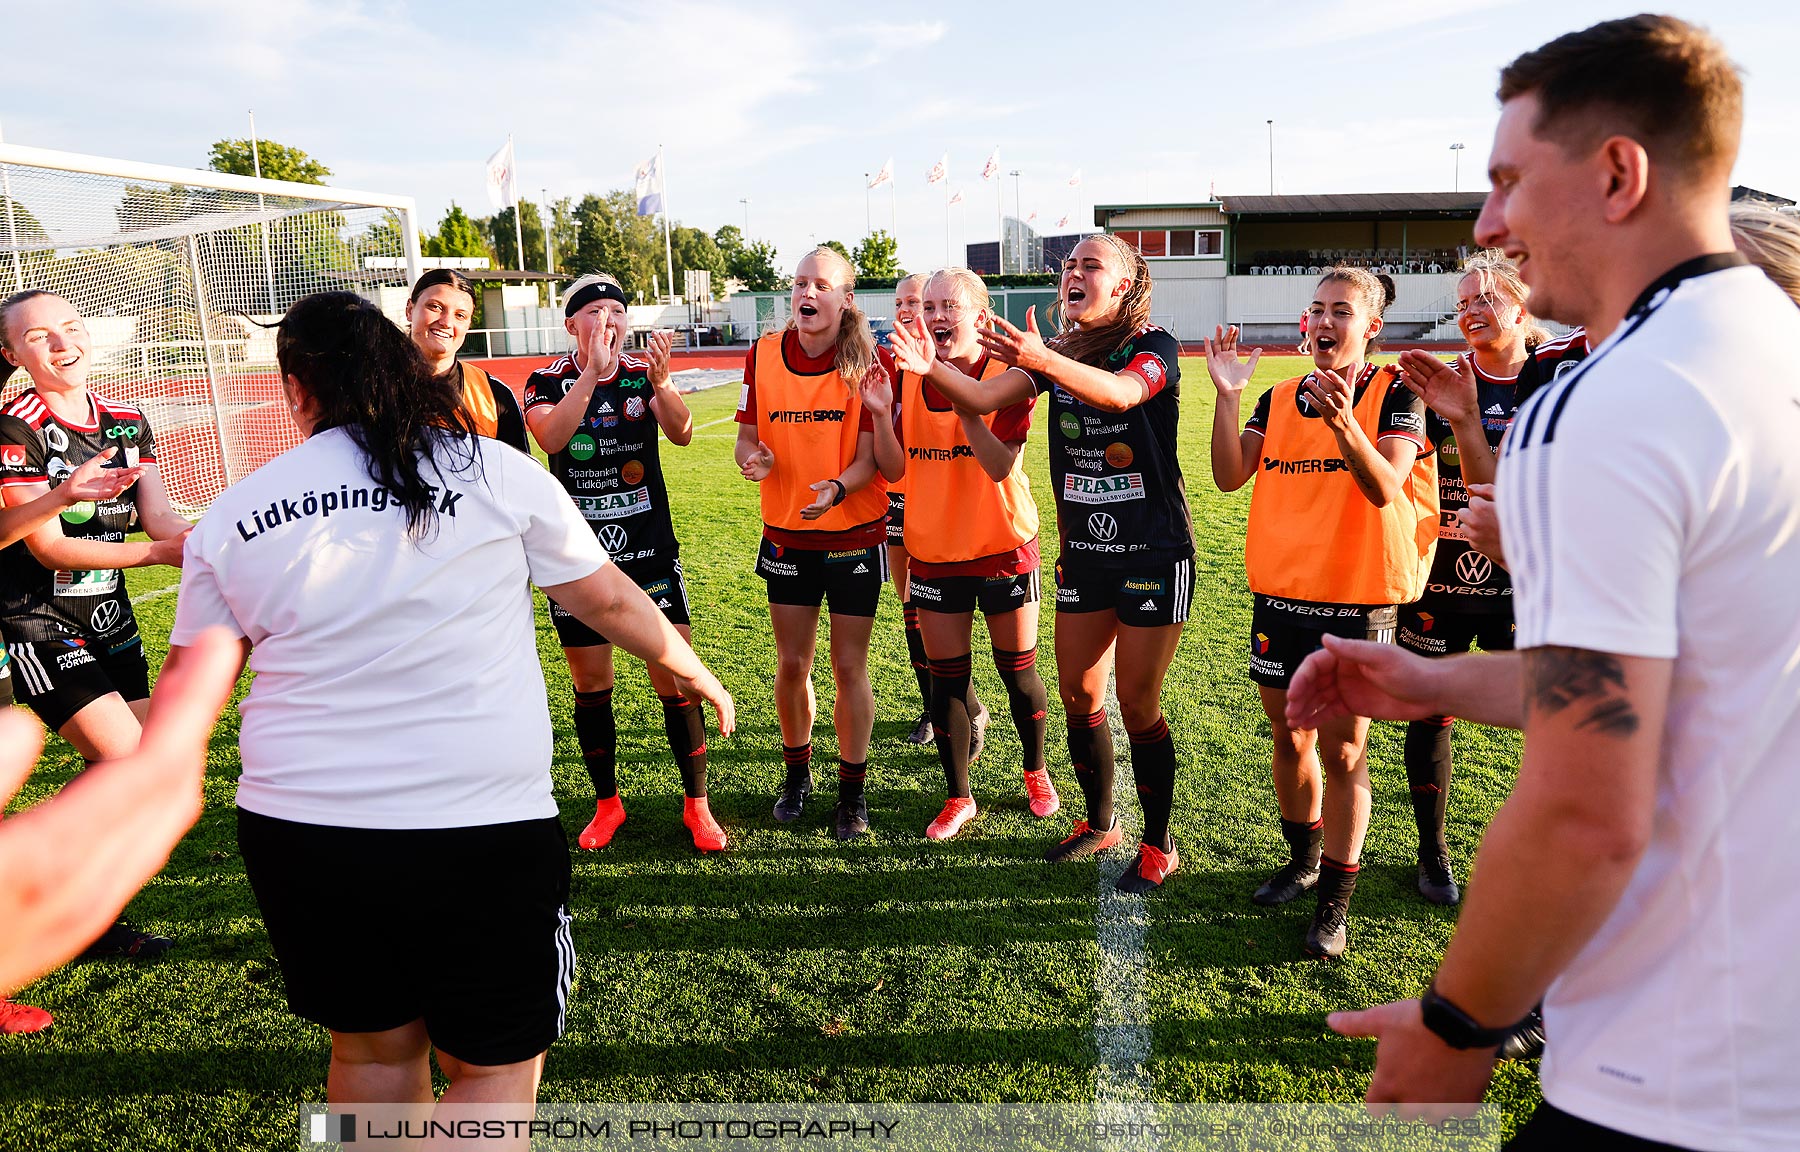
(154, 594)
(1121, 1019)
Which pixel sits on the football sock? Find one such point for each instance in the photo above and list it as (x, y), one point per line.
(798, 758)
(851, 778)
(1428, 775)
(915, 649)
(1153, 769)
(1304, 841)
(1337, 881)
(598, 737)
(1091, 753)
(952, 711)
(685, 725)
(1026, 700)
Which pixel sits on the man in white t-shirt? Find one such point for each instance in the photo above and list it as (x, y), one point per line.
(1637, 879)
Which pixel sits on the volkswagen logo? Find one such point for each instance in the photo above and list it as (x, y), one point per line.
(612, 538)
(1473, 568)
(1102, 527)
(105, 617)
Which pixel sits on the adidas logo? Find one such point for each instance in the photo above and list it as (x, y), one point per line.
(606, 408)
(860, 570)
(1018, 591)
(663, 603)
(1148, 606)
(1496, 410)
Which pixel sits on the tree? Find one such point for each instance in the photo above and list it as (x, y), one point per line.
(278, 161)
(877, 257)
(611, 237)
(505, 238)
(695, 251)
(838, 247)
(457, 235)
(753, 266)
(729, 238)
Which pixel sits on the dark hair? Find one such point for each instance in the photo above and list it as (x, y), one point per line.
(6, 307)
(1661, 81)
(368, 378)
(438, 276)
(1376, 289)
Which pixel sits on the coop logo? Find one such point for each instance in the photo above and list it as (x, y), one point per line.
(940, 453)
(1299, 467)
(123, 432)
(807, 416)
(1102, 527)
(612, 537)
(1473, 568)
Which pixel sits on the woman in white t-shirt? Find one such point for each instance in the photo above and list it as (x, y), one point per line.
(395, 811)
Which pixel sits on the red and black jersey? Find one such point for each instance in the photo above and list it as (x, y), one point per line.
(37, 604)
(611, 467)
(1462, 579)
(1120, 498)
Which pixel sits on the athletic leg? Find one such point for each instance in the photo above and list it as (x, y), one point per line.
(947, 638)
(1344, 754)
(591, 677)
(1298, 796)
(853, 715)
(684, 723)
(1144, 656)
(796, 628)
(391, 1067)
(899, 566)
(1014, 636)
(1084, 658)
(510, 1088)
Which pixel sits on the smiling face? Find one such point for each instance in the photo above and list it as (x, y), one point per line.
(1339, 324)
(1546, 207)
(1490, 320)
(46, 337)
(909, 300)
(440, 320)
(821, 293)
(595, 315)
(952, 320)
(1094, 280)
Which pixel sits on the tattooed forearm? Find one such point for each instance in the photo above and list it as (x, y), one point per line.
(1593, 682)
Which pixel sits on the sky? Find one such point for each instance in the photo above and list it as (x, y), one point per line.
(788, 106)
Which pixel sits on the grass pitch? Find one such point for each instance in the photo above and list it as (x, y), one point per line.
(792, 968)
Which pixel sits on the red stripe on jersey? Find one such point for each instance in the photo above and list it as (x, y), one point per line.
(119, 410)
(1148, 367)
(13, 481)
(29, 407)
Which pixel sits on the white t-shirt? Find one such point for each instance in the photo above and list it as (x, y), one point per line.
(1650, 503)
(397, 680)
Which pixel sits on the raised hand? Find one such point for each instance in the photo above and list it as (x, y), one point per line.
(760, 463)
(828, 495)
(94, 481)
(1333, 396)
(877, 390)
(913, 348)
(602, 351)
(1229, 374)
(1016, 347)
(1480, 522)
(1448, 391)
(658, 350)
(1360, 678)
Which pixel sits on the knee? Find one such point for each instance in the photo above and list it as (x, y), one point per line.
(1139, 715)
(793, 666)
(396, 1048)
(1077, 702)
(521, 1076)
(1339, 757)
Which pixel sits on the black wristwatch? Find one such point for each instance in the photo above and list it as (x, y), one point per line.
(842, 491)
(1454, 1026)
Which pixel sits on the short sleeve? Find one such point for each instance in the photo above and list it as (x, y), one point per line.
(1259, 418)
(540, 389)
(21, 453)
(559, 544)
(1156, 359)
(1013, 422)
(510, 425)
(746, 409)
(200, 604)
(146, 442)
(1402, 415)
(1618, 481)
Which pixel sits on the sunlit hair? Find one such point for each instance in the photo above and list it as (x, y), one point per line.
(855, 342)
(437, 276)
(1499, 276)
(1092, 344)
(917, 279)
(1376, 292)
(973, 288)
(6, 308)
(1771, 241)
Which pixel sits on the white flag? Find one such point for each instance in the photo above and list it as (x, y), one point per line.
(992, 168)
(649, 186)
(503, 178)
(940, 171)
(1075, 180)
(957, 198)
(886, 174)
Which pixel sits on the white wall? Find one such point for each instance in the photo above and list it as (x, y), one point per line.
(1196, 306)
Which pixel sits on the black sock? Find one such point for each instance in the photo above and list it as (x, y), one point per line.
(1337, 881)
(851, 777)
(798, 758)
(1091, 752)
(1304, 841)
(915, 648)
(598, 737)
(1153, 768)
(686, 728)
(1026, 699)
(951, 720)
(1428, 774)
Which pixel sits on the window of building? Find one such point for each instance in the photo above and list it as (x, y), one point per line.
(1176, 242)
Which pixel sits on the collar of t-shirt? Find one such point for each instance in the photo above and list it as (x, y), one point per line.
(1686, 270)
(1304, 403)
(799, 361)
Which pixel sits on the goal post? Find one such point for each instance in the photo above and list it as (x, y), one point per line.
(177, 271)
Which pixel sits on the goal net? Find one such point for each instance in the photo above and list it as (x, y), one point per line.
(176, 271)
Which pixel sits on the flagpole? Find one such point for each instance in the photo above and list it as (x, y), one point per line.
(1000, 221)
(946, 228)
(868, 220)
(518, 216)
(668, 248)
